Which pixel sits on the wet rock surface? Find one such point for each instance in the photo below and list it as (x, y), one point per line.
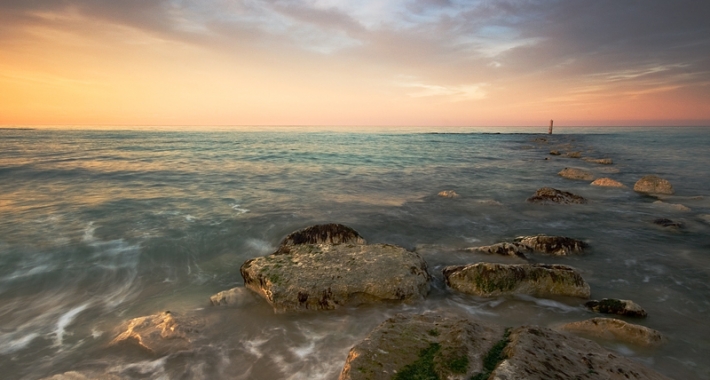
(540, 280)
(672, 206)
(576, 173)
(548, 195)
(616, 306)
(324, 276)
(553, 245)
(536, 353)
(160, 333)
(238, 296)
(448, 194)
(503, 249)
(601, 161)
(322, 234)
(574, 154)
(74, 375)
(663, 222)
(615, 330)
(653, 185)
(607, 182)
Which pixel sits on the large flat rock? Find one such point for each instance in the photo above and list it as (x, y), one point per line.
(160, 333)
(326, 276)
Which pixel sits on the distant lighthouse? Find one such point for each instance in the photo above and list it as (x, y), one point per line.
(549, 130)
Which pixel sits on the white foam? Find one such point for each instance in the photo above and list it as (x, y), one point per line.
(96, 333)
(65, 320)
(238, 209)
(156, 367)
(190, 218)
(261, 246)
(16, 344)
(254, 347)
(89, 233)
(546, 303)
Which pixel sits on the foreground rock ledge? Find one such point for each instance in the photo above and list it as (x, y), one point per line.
(616, 330)
(547, 195)
(540, 280)
(324, 276)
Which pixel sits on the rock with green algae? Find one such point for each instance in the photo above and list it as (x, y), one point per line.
(540, 280)
(626, 308)
(429, 346)
(553, 245)
(537, 353)
(547, 195)
(502, 249)
(615, 330)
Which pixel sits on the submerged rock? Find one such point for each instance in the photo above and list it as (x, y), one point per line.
(537, 353)
(550, 195)
(554, 245)
(540, 280)
(601, 161)
(555, 152)
(607, 182)
(615, 329)
(574, 173)
(428, 346)
(654, 185)
(238, 296)
(615, 306)
(503, 249)
(672, 206)
(322, 234)
(663, 222)
(324, 276)
(448, 194)
(574, 154)
(160, 333)
(74, 375)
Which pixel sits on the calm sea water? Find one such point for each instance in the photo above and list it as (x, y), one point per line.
(101, 226)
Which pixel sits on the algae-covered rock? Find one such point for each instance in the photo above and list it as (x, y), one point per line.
(541, 280)
(607, 182)
(322, 234)
(615, 306)
(654, 185)
(503, 249)
(615, 329)
(575, 173)
(448, 194)
(160, 333)
(324, 276)
(553, 245)
(430, 346)
(537, 353)
(550, 195)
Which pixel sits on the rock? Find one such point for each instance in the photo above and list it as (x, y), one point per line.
(324, 276)
(615, 306)
(608, 170)
(160, 333)
(663, 222)
(653, 185)
(550, 195)
(74, 375)
(574, 154)
(607, 182)
(432, 346)
(322, 234)
(601, 161)
(536, 353)
(540, 280)
(238, 296)
(704, 217)
(503, 249)
(555, 152)
(554, 245)
(615, 329)
(574, 173)
(489, 202)
(672, 206)
(448, 194)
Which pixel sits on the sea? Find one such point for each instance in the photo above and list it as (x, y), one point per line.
(101, 225)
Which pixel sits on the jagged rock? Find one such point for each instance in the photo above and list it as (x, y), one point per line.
(322, 234)
(574, 173)
(324, 276)
(601, 161)
(503, 249)
(672, 206)
(537, 353)
(615, 329)
(607, 182)
(554, 245)
(238, 296)
(439, 346)
(74, 375)
(160, 333)
(448, 194)
(541, 280)
(550, 195)
(555, 152)
(616, 306)
(654, 185)
(663, 222)
(574, 154)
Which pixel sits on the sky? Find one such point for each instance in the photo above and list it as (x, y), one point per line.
(355, 63)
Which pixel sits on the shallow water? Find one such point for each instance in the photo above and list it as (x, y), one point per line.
(100, 226)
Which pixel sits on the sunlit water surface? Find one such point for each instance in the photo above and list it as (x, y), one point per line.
(101, 226)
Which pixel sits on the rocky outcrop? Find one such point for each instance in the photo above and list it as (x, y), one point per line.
(448, 194)
(547, 195)
(325, 276)
(503, 249)
(607, 182)
(432, 346)
(601, 161)
(663, 222)
(238, 296)
(536, 353)
(654, 185)
(540, 280)
(160, 333)
(615, 329)
(553, 245)
(575, 173)
(615, 306)
(322, 234)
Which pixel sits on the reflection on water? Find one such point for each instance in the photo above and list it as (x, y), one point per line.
(97, 227)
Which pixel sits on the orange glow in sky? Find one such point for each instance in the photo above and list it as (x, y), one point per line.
(336, 63)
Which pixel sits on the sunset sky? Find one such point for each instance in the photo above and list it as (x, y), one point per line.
(367, 62)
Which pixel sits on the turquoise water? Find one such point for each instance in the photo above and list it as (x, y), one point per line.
(101, 226)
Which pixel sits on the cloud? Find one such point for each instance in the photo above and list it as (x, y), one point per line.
(455, 93)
